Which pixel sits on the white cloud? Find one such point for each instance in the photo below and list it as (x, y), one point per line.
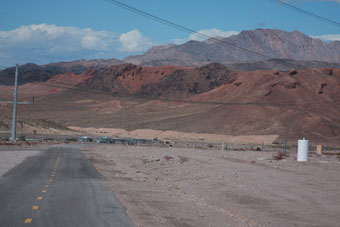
(54, 38)
(332, 37)
(211, 33)
(44, 43)
(134, 41)
(205, 34)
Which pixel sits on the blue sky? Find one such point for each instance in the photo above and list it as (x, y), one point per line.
(43, 31)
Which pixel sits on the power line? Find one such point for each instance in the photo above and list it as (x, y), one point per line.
(201, 35)
(185, 29)
(305, 12)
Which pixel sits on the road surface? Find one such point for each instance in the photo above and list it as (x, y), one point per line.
(59, 188)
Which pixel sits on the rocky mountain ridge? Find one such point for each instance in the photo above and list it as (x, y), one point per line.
(273, 43)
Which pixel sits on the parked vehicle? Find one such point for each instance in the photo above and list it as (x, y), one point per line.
(103, 140)
(116, 140)
(85, 139)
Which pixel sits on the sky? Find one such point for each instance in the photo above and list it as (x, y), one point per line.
(45, 31)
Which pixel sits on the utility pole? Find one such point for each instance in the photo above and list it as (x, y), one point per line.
(14, 120)
(15, 102)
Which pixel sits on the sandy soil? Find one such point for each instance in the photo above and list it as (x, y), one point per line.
(186, 187)
(177, 136)
(9, 158)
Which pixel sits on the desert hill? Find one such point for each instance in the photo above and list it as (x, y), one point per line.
(183, 83)
(128, 77)
(207, 99)
(281, 64)
(291, 104)
(39, 73)
(30, 73)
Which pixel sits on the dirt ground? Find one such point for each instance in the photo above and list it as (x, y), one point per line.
(10, 157)
(163, 186)
(177, 136)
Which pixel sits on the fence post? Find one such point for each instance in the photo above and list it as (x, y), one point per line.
(263, 146)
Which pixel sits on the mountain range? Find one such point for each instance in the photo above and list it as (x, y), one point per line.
(273, 43)
(286, 50)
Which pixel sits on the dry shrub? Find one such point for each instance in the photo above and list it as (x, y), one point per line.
(280, 155)
(168, 158)
(30, 143)
(182, 159)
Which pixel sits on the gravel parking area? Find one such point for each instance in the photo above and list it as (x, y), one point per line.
(190, 187)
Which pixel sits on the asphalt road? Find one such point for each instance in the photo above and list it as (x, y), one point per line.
(59, 188)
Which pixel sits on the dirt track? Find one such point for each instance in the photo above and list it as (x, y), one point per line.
(186, 187)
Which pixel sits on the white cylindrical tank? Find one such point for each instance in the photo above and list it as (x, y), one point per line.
(303, 150)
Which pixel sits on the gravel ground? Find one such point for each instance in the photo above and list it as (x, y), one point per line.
(190, 187)
(9, 158)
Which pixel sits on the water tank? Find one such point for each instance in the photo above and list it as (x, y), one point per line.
(303, 149)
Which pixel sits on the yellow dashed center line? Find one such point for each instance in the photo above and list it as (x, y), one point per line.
(35, 207)
(28, 220)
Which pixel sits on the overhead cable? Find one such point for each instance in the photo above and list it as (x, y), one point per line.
(305, 12)
(201, 35)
